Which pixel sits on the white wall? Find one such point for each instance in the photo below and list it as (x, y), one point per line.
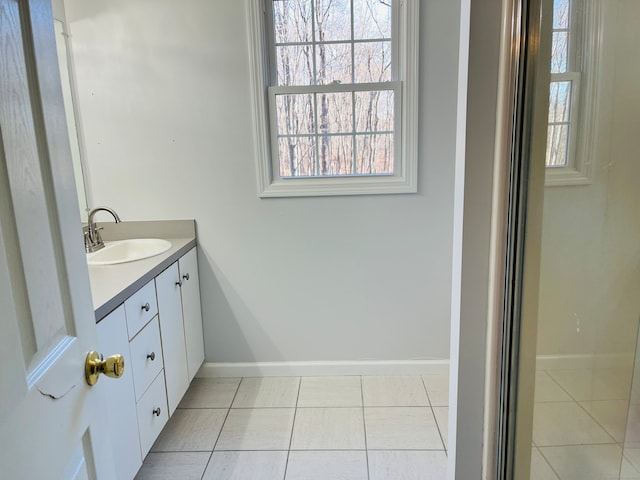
(164, 97)
(590, 272)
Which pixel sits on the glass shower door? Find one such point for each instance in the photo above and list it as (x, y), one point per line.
(586, 410)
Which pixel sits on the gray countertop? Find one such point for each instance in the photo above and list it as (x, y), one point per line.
(111, 285)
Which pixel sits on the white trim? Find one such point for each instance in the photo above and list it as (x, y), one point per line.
(585, 361)
(320, 369)
(259, 80)
(409, 74)
(397, 367)
(406, 181)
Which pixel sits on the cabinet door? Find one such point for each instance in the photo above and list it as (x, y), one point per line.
(120, 403)
(191, 311)
(172, 335)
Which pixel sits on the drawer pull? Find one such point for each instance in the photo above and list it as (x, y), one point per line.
(152, 356)
(146, 307)
(179, 283)
(157, 411)
(186, 276)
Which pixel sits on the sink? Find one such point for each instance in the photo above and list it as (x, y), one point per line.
(122, 251)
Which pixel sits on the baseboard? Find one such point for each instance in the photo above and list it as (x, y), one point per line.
(397, 367)
(581, 361)
(323, 369)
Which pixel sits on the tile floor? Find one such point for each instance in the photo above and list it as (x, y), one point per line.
(580, 421)
(292, 428)
(383, 428)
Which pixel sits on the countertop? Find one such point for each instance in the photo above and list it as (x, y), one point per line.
(111, 285)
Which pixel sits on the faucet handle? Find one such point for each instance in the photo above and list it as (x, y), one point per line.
(87, 241)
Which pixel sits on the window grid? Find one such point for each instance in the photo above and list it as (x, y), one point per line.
(560, 143)
(318, 89)
(361, 134)
(354, 156)
(334, 42)
(354, 134)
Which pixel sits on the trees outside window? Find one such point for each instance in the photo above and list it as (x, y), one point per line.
(339, 75)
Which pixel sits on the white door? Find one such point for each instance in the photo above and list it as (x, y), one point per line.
(50, 419)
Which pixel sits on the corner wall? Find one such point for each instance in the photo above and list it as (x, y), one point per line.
(164, 98)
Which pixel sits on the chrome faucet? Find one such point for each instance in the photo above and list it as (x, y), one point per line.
(92, 239)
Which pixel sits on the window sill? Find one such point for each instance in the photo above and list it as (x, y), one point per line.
(565, 177)
(320, 187)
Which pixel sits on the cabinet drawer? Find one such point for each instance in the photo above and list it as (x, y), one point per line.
(146, 357)
(141, 307)
(152, 413)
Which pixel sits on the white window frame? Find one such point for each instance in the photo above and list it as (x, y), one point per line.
(586, 45)
(404, 84)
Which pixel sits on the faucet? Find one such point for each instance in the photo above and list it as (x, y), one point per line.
(92, 239)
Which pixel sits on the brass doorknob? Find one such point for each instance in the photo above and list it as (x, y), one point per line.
(95, 364)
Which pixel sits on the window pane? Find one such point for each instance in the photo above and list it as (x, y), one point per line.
(295, 114)
(557, 146)
(374, 154)
(372, 62)
(333, 20)
(371, 19)
(374, 111)
(333, 63)
(560, 102)
(335, 154)
(297, 156)
(295, 65)
(561, 14)
(335, 112)
(292, 21)
(344, 62)
(560, 52)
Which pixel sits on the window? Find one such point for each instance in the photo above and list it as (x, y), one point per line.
(335, 89)
(574, 56)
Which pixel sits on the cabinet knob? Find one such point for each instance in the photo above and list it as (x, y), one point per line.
(186, 276)
(157, 411)
(146, 307)
(179, 283)
(152, 356)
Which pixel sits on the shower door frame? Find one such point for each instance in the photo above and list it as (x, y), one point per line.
(526, 93)
(497, 57)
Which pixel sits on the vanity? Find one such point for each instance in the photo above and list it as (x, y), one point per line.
(147, 308)
(149, 311)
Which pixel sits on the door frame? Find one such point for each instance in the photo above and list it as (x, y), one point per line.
(526, 118)
(493, 197)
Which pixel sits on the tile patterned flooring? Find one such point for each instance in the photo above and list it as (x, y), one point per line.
(295, 428)
(383, 428)
(580, 420)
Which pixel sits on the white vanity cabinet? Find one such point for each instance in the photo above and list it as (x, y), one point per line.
(181, 325)
(120, 401)
(158, 329)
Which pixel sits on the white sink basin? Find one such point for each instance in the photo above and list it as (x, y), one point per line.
(122, 251)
